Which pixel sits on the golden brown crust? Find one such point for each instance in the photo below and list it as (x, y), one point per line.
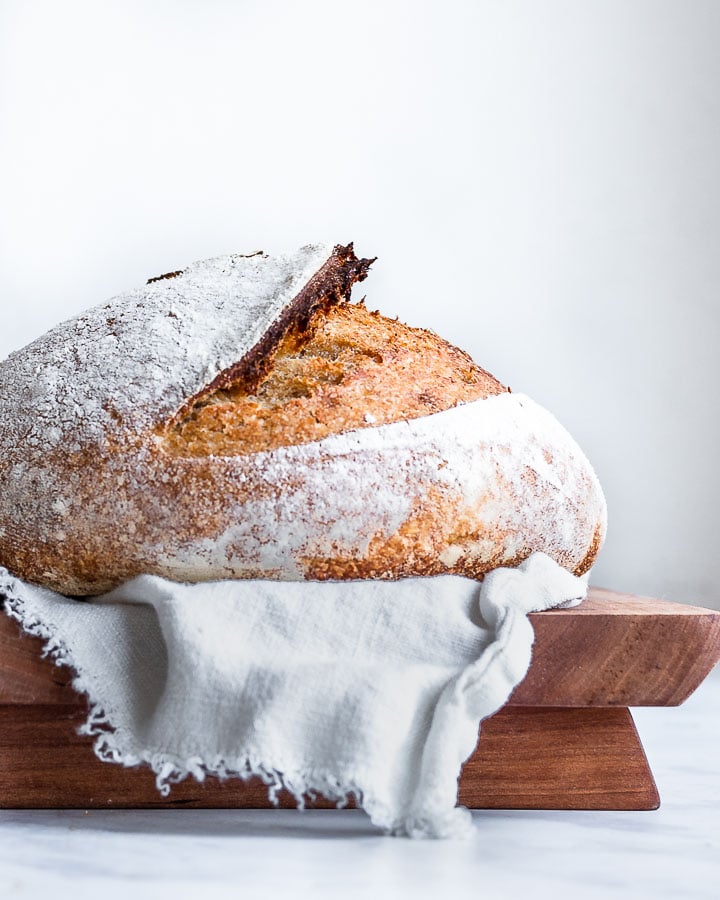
(242, 420)
(349, 368)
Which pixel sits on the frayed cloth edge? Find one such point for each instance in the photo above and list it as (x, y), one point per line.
(111, 745)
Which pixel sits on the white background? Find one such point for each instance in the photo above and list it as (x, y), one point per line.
(540, 182)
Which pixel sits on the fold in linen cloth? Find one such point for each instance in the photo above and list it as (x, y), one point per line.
(372, 689)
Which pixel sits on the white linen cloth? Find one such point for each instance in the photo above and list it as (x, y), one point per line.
(370, 688)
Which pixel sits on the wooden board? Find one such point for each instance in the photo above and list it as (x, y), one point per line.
(620, 650)
(612, 650)
(564, 741)
(527, 758)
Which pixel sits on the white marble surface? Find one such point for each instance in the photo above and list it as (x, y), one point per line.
(671, 853)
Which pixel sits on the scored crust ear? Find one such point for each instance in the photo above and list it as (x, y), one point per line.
(331, 284)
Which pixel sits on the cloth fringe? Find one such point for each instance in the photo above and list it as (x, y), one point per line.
(466, 700)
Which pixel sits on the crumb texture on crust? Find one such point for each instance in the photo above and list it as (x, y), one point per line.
(349, 368)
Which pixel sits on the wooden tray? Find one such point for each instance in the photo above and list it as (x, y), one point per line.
(565, 740)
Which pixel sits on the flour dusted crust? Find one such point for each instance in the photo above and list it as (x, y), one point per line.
(394, 455)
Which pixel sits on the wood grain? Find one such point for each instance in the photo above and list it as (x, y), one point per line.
(26, 677)
(620, 650)
(612, 650)
(526, 759)
(544, 758)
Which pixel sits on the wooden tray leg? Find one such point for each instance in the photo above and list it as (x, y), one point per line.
(558, 758)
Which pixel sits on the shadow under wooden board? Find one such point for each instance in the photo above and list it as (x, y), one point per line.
(565, 739)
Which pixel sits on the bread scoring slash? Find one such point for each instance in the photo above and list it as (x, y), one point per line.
(241, 418)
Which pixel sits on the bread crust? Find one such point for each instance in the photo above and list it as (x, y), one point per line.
(347, 369)
(94, 491)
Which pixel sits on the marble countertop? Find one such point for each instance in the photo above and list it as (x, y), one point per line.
(673, 852)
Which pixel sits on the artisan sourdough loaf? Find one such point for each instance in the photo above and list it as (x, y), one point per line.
(241, 419)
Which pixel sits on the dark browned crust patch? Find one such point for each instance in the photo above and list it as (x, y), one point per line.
(166, 275)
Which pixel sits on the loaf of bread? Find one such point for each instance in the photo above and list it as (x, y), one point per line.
(242, 419)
